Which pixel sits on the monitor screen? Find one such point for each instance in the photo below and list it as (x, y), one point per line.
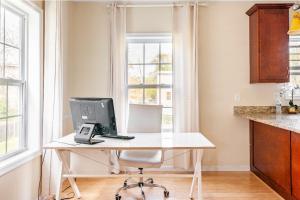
(94, 111)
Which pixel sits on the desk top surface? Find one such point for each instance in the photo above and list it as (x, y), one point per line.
(141, 141)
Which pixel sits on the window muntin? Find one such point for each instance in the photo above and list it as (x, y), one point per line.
(150, 74)
(12, 82)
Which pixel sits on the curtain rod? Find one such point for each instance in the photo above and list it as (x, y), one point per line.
(153, 5)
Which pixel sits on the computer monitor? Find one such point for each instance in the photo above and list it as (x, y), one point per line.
(97, 111)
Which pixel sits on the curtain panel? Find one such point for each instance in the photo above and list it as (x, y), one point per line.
(186, 80)
(118, 68)
(53, 73)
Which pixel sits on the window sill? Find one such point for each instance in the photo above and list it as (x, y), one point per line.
(17, 160)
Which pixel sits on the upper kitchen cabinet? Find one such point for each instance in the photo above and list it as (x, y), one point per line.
(269, 43)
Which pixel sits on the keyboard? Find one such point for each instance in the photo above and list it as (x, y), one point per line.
(122, 137)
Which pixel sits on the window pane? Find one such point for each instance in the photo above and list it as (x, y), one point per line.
(135, 53)
(294, 56)
(12, 62)
(2, 137)
(152, 96)
(294, 63)
(151, 53)
(156, 69)
(1, 60)
(151, 74)
(166, 53)
(14, 126)
(166, 74)
(2, 101)
(167, 119)
(135, 96)
(135, 74)
(166, 97)
(295, 80)
(2, 25)
(294, 51)
(12, 28)
(14, 100)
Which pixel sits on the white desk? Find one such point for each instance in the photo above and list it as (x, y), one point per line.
(142, 141)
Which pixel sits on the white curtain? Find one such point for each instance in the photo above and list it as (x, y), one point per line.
(53, 73)
(118, 63)
(118, 70)
(186, 91)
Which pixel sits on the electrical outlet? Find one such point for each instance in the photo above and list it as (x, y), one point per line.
(237, 98)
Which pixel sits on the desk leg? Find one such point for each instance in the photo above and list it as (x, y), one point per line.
(59, 183)
(65, 167)
(197, 175)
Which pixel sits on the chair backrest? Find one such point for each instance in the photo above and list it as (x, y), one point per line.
(144, 118)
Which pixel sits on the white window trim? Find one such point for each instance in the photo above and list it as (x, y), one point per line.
(19, 82)
(34, 100)
(17, 161)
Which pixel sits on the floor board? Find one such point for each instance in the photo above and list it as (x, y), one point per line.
(216, 186)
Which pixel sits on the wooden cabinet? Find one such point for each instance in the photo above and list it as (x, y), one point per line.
(269, 51)
(270, 156)
(295, 165)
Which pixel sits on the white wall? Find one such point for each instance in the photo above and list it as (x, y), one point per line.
(224, 69)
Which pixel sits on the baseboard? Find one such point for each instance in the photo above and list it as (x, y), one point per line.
(170, 169)
(238, 168)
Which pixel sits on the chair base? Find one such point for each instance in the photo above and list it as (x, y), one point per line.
(141, 184)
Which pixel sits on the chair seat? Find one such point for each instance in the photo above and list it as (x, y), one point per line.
(140, 158)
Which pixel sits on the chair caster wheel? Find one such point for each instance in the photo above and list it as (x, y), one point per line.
(125, 185)
(118, 197)
(144, 196)
(166, 194)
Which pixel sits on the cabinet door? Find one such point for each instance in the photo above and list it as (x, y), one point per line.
(271, 156)
(273, 48)
(296, 165)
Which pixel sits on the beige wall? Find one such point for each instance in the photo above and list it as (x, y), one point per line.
(224, 69)
(22, 182)
(149, 20)
(87, 58)
(224, 73)
(67, 35)
(39, 3)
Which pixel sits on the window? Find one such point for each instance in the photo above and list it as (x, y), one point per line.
(12, 82)
(294, 45)
(150, 73)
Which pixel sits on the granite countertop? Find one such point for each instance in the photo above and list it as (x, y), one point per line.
(267, 116)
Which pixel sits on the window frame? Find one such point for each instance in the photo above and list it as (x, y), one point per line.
(22, 82)
(150, 38)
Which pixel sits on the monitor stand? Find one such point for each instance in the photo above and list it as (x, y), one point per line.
(86, 133)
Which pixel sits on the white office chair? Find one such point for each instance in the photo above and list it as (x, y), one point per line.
(142, 119)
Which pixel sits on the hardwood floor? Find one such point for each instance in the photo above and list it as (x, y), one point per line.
(216, 186)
